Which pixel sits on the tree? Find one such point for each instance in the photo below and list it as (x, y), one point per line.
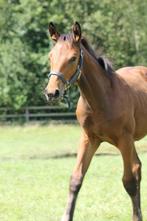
(116, 29)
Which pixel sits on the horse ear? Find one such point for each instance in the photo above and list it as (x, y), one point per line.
(76, 30)
(53, 32)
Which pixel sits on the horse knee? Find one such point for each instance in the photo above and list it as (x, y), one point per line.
(130, 186)
(137, 171)
(75, 184)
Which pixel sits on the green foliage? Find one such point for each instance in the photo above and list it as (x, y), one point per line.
(115, 29)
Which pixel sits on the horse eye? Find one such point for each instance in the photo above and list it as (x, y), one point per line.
(73, 59)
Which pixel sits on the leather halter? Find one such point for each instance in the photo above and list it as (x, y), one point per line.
(74, 77)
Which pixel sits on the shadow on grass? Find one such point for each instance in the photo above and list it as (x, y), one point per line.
(49, 157)
(57, 156)
(73, 155)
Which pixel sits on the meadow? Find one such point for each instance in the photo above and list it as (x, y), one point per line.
(36, 162)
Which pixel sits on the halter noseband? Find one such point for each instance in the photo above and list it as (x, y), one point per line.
(74, 77)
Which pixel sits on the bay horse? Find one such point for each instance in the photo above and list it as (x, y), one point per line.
(112, 107)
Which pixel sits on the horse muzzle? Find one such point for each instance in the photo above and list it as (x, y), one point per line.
(50, 96)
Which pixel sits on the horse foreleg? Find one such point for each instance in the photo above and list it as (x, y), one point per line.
(132, 174)
(86, 151)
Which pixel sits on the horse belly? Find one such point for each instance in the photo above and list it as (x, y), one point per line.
(141, 120)
(141, 126)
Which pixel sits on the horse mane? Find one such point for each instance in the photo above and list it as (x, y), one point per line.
(103, 61)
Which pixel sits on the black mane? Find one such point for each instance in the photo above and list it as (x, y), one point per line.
(104, 62)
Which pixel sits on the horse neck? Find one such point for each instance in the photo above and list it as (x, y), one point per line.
(94, 85)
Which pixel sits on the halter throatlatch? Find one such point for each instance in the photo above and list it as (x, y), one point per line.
(74, 77)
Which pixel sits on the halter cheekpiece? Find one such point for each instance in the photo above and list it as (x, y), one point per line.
(74, 77)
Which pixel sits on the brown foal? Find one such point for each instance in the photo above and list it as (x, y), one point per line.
(112, 107)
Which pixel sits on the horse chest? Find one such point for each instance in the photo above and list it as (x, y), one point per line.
(96, 126)
(104, 125)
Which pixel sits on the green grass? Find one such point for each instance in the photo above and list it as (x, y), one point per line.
(34, 141)
(34, 187)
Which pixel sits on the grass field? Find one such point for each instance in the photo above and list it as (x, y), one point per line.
(34, 184)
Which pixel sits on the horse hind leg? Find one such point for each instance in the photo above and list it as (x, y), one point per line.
(132, 174)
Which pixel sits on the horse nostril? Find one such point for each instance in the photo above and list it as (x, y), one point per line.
(57, 93)
(50, 96)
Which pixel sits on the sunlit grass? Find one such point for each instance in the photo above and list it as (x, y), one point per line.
(34, 187)
(35, 141)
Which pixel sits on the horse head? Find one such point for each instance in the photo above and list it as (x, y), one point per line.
(65, 61)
